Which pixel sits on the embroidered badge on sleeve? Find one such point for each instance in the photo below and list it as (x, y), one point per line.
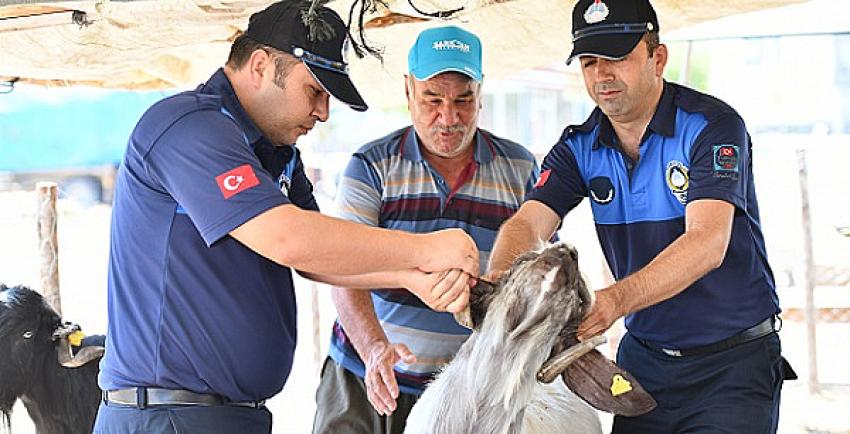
(237, 180)
(543, 178)
(726, 161)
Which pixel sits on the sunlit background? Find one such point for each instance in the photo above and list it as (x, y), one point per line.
(793, 90)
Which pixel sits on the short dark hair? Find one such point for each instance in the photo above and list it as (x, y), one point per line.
(652, 41)
(244, 46)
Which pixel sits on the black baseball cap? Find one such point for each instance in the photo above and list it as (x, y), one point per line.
(610, 28)
(281, 26)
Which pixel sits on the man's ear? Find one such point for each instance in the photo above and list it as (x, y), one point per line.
(660, 59)
(408, 87)
(257, 67)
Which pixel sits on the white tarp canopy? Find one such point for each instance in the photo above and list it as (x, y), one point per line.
(157, 44)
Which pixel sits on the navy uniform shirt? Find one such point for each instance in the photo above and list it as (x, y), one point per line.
(189, 306)
(696, 147)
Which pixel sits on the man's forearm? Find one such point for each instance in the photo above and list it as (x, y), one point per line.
(357, 315)
(326, 245)
(678, 266)
(515, 238)
(531, 225)
(378, 279)
(315, 243)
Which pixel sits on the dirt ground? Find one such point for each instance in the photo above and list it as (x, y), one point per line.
(83, 244)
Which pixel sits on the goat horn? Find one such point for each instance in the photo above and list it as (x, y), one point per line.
(86, 354)
(557, 364)
(464, 318)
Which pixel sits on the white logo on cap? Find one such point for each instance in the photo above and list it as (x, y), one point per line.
(345, 46)
(597, 12)
(452, 44)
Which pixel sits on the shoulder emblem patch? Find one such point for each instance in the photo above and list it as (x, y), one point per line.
(543, 178)
(236, 180)
(726, 161)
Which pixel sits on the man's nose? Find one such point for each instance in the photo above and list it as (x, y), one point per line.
(602, 69)
(448, 114)
(321, 110)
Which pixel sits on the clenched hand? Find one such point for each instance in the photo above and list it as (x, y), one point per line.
(447, 249)
(447, 291)
(605, 310)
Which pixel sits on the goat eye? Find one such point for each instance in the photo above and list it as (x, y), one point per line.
(27, 335)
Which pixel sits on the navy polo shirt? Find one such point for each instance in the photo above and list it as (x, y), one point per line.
(189, 306)
(696, 147)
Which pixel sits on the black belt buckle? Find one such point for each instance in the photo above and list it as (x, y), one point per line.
(142, 397)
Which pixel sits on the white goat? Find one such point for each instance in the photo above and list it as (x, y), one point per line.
(491, 386)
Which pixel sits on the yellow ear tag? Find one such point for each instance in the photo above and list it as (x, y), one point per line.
(620, 385)
(76, 338)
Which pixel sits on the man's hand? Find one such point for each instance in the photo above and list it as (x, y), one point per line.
(493, 276)
(447, 249)
(447, 291)
(381, 385)
(606, 309)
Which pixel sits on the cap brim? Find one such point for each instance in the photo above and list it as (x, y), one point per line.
(605, 46)
(339, 86)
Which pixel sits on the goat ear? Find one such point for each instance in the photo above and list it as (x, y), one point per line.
(606, 386)
(480, 297)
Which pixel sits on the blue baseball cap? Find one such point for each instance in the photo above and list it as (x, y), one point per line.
(444, 49)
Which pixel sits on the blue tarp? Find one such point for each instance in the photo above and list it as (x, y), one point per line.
(42, 130)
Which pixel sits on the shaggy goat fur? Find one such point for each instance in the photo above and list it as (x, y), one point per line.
(58, 399)
(490, 386)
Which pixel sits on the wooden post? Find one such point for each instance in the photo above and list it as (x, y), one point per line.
(809, 265)
(48, 244)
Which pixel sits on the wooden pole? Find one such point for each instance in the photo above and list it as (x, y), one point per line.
(48, 244)
(809, 264)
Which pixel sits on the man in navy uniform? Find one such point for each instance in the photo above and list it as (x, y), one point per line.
(212, 211)
(669, 174)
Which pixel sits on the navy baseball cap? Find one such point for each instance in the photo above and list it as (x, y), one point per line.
(444, 49)
(610, 28)
(281, 26)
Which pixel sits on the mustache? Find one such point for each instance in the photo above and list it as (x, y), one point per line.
(449, 129)
(605, 87)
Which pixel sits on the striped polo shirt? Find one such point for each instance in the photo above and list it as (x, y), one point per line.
(389, 184)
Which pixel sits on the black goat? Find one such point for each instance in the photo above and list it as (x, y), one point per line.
(38, 365)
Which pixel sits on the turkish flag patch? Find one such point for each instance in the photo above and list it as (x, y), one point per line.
(543, 178)
(236, 180)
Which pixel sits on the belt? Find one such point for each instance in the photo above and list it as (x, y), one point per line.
(142, 397)
(759, 330)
